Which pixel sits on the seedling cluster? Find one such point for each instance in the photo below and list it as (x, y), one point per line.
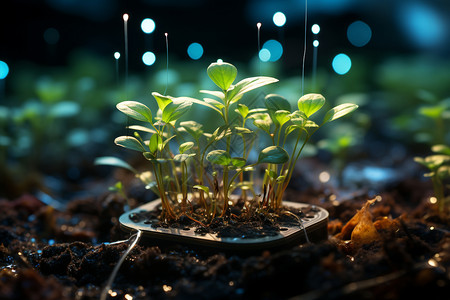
(192, 167)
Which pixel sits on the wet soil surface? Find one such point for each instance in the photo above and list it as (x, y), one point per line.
(69, 254)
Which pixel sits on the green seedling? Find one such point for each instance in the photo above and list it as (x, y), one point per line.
(439, 166)
(189, 165)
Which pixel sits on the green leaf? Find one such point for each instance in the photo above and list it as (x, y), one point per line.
(182, 157)
(248, 84)
(219, 157)
(162, 100)
(242, 109)
(222, 74)
(142, 128)
(262, 121)
(193, 128)
(136, 110)
(202, 187)
(311, 123)
(433, 112)
(273, 155)
(186, 146)
(206, 103)
(339, 111)
(155, 143)
(129, 142)
(282, 116)
(173, 111)
(310, 103)
(276, 102)
(238, 162)
(218, 94)
(242, 130)
(115, 162)
(271, 174)
(442, 149)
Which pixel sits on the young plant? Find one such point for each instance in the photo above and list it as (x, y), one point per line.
(439, 166)
(206, 168)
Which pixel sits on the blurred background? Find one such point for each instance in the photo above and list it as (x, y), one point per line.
(64, 66)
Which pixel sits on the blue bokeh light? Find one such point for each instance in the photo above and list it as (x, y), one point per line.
(148, 58)
(275, 48)
(359, 33)
(51, 36)
(195, 51)
(4, 70)
(315, 29)
(341, 64)
(425, 26)
(148, 25)
(279, 19)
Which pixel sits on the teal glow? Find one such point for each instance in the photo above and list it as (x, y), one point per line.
(195, 51)
(4, 70)
(359, 33)
(148, 25)
(275, 49)
(279, 19)
(148, 58)
(264, 55)
(51, 36)
(341, 64)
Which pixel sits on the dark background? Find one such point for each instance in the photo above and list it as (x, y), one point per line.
(226, 29)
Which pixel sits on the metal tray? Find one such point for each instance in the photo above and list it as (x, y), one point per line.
(314, 226)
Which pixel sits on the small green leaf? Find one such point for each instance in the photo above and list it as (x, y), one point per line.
(155, 143)
(271, 174)
(282, 116)
(310, 103)
(115, 162)
(129, 142)
(173, 111)
(219, 157)
(248, 84)
(162, 100)
(222, 74)
(186, 146)
(310, 123)
(433, 112)
(201, 187)
(242, 109)
(276, 102)
(238, 162)
(281, 178)
(339, 111)
(242, 130)
(182, 157)
(218, 94)
(193, 128)
(442, 149)
(136, 110)
(273, 155)
(262, 121)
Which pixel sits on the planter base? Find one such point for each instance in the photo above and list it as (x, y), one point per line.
(314, 229)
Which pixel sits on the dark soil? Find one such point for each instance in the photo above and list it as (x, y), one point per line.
(51, 254)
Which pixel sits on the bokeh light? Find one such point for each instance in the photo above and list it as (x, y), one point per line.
(51, 36)
(359, 33)
(148, 25)
(315, 29)
(116, 55)
(341, 64)
(148, 58)
(279, 19)
(275, 49)
(316, 43)
(4, 70)
(195, 51)
(264, 55)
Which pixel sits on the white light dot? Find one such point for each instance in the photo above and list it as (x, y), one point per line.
(316, 43)
(315, 29)
(219, 61)
(148, 58)
(433, 200)
(258, 25)
(324, 177)
(148, 25)
(341, 64)
(116, 55)
(125, 17)
(279, 19)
